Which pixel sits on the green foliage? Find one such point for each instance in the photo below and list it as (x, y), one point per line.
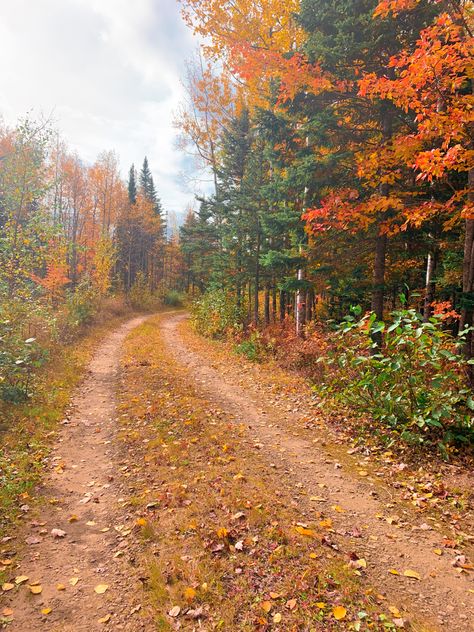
(140, 296)
(82, 304)
(252, 347)
(173, 298)
(216, 313)
(18, 359)
(414, 384)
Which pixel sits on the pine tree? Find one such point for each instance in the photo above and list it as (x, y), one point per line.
(132, 185)
(147, 187)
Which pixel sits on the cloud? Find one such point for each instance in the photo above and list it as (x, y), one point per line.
(108, 70)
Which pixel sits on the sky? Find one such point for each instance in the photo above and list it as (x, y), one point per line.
(108, 72)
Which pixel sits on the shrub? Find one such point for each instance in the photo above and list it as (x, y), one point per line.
(82, 304)
(140, 295)
(252, 348)
(414, 384)
(216, 314)
(173, 298)
(18, 359)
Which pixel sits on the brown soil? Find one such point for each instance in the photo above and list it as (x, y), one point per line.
(389, 535)
(82, 487)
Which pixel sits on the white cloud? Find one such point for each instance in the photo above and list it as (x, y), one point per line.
(108, 70)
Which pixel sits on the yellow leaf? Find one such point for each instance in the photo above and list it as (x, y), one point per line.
(338, 508)
(222, 533)
(266, 606)
(73, 581)
(438, 551)
(36, 589)
(412, 574)
(313, 556)
(395, 611)
(46, 610)
(100, 589)
(73, 518)
(339, 612)
(6, 587)
(141, 522)
(21, 579)
(60, 587)
(393, 571)
(105, 619)
(310, 533)
(277, 617)
(189, 594)
(326, 524)
(320, 605)
(7, 612)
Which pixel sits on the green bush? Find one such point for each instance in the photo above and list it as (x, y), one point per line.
(19, 357)
(251, 347)
(140, 295)
(82, 304)
(414, 384)
(173, 298)
(216, 314)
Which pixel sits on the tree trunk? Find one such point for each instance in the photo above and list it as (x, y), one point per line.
(257, 280)
(300, 307)
(267, 306)
(379, 275)
(429, 285)
(282, 305)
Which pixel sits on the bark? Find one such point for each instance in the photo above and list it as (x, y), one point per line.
(267, 306)
(429, 285)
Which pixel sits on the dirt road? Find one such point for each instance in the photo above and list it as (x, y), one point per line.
(72, 575)
(72, 542)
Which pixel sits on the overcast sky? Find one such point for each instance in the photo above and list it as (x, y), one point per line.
(109, 72)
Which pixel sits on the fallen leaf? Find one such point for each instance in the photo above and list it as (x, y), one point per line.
(339, 612)
(174, 612)
(338, 508)
(291, 604)
(58, 533)
(438, 551)
(266, 606)
(100, 589)
(36, 589)
(7, 612)
(105, 619)
(310, 533)
(412, 574)
(326, 524)
(21, 579)
(60, 587)
(393, 571)
(277, 617)
(189, 593)
(7, 586)
(46, 611)
(73, 581)
(73, 518)
(141, 522)
(320, 605)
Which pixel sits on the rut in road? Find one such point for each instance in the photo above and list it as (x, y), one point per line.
(81, 497)
(441, 599)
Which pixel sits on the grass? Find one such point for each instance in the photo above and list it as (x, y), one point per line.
(218, 531)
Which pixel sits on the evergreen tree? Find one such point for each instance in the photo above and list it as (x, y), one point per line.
(147, 187)
(132, 185)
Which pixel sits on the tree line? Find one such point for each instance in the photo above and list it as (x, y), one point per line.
(339, 136)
